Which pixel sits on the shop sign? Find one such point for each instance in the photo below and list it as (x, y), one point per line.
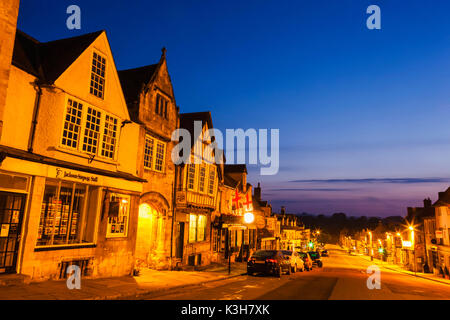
(61, 173)
(406, 244)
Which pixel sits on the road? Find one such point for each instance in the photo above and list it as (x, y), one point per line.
(343, 277)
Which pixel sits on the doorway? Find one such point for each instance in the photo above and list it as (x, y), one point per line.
(12, 207)
(179, 240)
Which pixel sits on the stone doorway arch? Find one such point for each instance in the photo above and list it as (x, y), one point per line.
(153, 233)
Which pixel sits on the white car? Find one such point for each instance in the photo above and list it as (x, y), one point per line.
(295, 260)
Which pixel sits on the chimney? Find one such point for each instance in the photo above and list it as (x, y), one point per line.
(283, 210)
(427, 203)
(257, 192)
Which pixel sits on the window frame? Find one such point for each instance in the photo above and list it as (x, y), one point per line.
(124, 234)
(194, 228)
(211, 186)
(83, 215)
(81, 133)
(154, 158)
(93, 74)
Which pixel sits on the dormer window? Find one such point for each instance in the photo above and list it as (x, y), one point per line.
(161, 106)
(98, 76)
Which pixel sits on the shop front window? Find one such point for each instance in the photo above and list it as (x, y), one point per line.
(118, 215)
(68, 214)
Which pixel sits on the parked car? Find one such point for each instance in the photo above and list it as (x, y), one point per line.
(308, 262)
(315, 256)
(295, 260)
(324, 253)
(268, 262)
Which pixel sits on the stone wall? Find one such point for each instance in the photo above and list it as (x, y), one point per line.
(9, 10)
(158, 190)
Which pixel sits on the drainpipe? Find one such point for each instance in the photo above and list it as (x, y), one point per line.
(37, 103)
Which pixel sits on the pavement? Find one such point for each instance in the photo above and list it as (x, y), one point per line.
(148, 282)
(397, 268)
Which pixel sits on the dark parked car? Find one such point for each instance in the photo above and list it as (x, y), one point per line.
(315, 256)
(268, 262)
(325, 253)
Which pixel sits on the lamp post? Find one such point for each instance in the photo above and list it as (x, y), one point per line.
(249, 217)
(371, 246)
(411, 230)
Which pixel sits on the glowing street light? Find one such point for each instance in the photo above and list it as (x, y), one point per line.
(249, 217)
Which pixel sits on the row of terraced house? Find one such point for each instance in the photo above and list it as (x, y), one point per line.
(86, 175)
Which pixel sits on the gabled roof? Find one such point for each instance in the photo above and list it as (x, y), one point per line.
(229, 181)
(235, 168)
(49, 60)
(187, 121)
(133, 80)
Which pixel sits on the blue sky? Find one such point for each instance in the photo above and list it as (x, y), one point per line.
(351, 104)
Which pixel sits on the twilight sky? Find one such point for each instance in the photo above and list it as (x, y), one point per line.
(363, 114)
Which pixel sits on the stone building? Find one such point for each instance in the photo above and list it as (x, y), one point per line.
(9, 11)
(439, 249)
(196, 194)
(69, 192)
(151, 102)
(234, 236)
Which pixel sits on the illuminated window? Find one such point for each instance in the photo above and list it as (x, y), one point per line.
(148, 152)
(98, 76)
(192, 228)
(212, 178)
(109, 137)
(154, 154)
(72, 124)
(197, 228)
(91, 131)
(201, 179)
(118, 216)
(191, 176)
(68, 213)
(201, 228)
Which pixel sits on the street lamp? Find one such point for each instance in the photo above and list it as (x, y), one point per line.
(411, 231)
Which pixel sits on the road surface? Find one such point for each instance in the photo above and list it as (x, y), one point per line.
(343, 277)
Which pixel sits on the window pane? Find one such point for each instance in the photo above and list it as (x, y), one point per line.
(212, 177)
(201, 180)
(98, 76)
(192, 228)
(91, 131)
(159, 161)
(201, 229)
(191, 176)
(109, 137)
(71, 131)
(148, 152)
